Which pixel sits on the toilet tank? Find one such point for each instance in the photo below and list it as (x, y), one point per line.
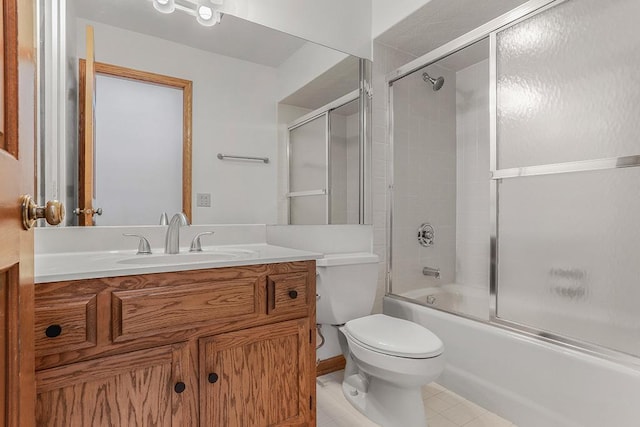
(346, 286)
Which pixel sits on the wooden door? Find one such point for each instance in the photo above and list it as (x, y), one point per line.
(86, 133)
(17, 142)
(257, 377)
(154, 387)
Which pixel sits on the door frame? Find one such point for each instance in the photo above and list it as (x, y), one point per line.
(86, 184)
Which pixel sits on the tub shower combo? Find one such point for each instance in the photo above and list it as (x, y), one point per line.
(514, 205)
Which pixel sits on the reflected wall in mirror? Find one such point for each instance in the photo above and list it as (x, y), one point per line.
(250, 83)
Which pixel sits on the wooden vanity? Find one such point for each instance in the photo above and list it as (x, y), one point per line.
(230, 346)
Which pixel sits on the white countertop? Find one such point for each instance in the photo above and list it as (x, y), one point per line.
(90, 265)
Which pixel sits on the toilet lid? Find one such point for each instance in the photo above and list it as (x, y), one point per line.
(396, 337)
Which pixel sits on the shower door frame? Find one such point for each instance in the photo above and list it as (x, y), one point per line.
(490, 30)
(309, 117)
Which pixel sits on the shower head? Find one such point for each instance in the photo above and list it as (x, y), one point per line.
(437, 83)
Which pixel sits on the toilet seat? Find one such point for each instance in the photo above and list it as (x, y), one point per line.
(395, 337)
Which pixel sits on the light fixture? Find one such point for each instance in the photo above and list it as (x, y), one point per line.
(205, 15)
(164, 6)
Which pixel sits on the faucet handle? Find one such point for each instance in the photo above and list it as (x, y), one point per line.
(196, 246)
(164, 219)
(143, 245)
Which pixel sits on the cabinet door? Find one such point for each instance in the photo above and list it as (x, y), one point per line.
(258, 377)
(154, 387)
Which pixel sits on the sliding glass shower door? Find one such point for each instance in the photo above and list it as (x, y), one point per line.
(309, 172)
(324, 165)
(520, 169)
(567, 240)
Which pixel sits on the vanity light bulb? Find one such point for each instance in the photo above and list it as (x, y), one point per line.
(164, 6)
(207, 17)
(205, 12)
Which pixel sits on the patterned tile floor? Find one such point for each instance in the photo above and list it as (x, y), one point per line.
(444, 408)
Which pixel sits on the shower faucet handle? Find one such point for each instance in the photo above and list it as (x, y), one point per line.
(426, 234)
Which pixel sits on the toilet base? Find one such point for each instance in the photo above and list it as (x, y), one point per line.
(384, 402)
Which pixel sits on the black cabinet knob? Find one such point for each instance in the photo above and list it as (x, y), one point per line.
(179, 387)
(213, 377)
(293, 294)
(53, 331)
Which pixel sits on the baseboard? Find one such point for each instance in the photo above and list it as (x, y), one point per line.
(330, 365)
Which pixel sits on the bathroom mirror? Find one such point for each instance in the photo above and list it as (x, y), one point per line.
(250, 85)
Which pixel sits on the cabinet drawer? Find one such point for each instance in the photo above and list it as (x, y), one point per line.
(65, 325)
(287, 293)
(144, 312)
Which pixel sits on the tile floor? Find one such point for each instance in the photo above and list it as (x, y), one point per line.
(444, 408)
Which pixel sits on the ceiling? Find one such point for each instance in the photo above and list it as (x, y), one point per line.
(233, 37)
(440, 21)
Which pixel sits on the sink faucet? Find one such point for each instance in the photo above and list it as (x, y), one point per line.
(172, 242)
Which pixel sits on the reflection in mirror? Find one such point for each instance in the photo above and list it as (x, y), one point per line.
(250, 83)
(324, 166)
(146, 116)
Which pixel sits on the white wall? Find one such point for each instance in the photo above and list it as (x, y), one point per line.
(386, 60)
(234, 112)
(304, 65)
(339, 24)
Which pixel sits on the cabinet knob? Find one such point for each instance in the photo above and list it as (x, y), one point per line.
(179, 387)
(213, 378)
(53, 331)
(293, 294)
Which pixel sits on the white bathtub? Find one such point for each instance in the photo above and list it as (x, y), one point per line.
(530, 382)
(468, 300)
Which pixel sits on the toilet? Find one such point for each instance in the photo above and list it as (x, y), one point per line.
(388, 359)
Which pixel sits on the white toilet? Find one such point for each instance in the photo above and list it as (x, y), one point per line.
(388, 359)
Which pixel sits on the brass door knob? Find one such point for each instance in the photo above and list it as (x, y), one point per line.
(53, 212)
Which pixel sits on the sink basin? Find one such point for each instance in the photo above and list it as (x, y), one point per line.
(187, 258)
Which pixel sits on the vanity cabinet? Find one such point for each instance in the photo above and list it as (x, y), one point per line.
(142, 388)
(231, 346)
(257, 377)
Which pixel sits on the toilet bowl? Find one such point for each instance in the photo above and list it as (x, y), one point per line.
(391, 359)
(388, 359)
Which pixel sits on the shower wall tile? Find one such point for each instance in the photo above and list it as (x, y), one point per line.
(424, 179)
(472, 187)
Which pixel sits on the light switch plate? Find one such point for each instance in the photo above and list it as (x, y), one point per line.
(203, 200)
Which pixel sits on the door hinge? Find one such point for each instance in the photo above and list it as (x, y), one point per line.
(310, 402)
(310, 336)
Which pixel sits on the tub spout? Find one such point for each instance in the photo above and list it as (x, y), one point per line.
(428, 271)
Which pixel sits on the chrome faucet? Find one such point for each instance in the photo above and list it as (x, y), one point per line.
(172, 241)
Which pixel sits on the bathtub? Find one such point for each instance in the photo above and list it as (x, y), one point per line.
(530, 382)
(469, 300)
